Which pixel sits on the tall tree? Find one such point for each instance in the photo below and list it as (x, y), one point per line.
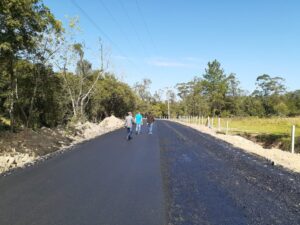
(142, 89)
(22, 22)
(270, 90)
(267, 85)
(215, 85)
(81, 84)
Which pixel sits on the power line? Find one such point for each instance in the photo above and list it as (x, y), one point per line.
(103, 33)
(132, 24)
(116, 22)
(145, 24)
(96, 25)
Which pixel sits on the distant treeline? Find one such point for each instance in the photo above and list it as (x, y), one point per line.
(32, 94)
(218, 94)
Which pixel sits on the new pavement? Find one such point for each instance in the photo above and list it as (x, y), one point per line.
(177, 176)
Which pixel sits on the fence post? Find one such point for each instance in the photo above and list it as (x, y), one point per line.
(293, 139)
(212, 122)
(201, 120)
(227, 127)
(219, 124)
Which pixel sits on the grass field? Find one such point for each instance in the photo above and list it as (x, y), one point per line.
(275, 126)
(271, 132)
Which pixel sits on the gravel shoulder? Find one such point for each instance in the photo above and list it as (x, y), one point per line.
(209, 181)
(276, 156)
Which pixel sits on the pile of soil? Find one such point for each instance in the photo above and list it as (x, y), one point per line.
(18, 149)
(112, 122)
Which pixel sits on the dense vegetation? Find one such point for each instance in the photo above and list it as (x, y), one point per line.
(218, 94)
(46, 80)
(32, 94)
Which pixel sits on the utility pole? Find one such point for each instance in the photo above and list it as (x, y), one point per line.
(168, 107)
(168, 100)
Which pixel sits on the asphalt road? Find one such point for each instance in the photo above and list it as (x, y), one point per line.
(106, 181)
(175, 176)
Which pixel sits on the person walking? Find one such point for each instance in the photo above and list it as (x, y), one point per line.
(128, 125)
(138, 122)
(150, 121)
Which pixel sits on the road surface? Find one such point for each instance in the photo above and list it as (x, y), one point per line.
(175, 176)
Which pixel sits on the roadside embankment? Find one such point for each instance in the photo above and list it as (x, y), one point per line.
(275, 155)
(26, 146)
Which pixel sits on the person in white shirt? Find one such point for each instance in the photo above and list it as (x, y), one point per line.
(128, 125)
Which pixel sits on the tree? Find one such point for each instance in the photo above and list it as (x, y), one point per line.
(270, 90)
(110, 97)
(215, 85)
(22, 23)
(142, 89)
(143, 92)
(293, 102)
(233, 85)
(81, 85)
(253, 106)
(234, 99)
(267, 85)
(157, 97)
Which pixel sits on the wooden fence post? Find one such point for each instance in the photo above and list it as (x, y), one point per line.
(227, 127)
(293, 139)
(219, 124)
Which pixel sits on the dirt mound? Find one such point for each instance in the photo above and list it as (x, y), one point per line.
(17, 149)
(14, 159)
(112, 122)
(86, 130)
(90, 130)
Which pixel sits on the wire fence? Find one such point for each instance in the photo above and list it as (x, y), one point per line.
(283, 130)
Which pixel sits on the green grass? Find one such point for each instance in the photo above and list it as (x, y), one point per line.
(254, 125)
(271, 132)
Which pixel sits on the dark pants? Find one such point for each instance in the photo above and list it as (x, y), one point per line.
(129, 133)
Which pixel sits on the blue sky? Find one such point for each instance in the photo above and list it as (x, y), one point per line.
(171, 41)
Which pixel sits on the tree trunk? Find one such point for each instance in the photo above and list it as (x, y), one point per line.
(12, 95)
(32, 102)
(17, 101)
